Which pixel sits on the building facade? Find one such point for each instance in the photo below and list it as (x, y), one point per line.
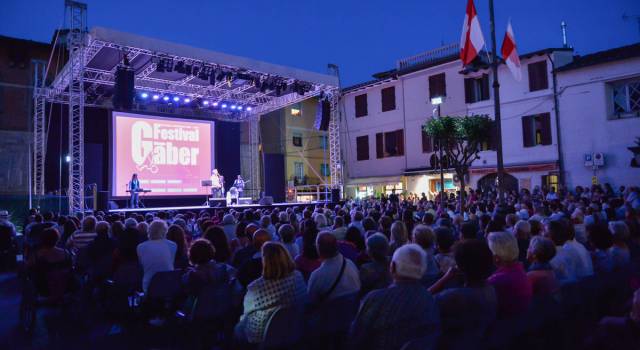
(387, 149)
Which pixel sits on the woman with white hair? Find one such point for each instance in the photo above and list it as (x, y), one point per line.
(513, 289)
(619, 251)
(157, 254)
(399, 236)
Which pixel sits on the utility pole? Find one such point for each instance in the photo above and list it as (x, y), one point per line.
(496, 96)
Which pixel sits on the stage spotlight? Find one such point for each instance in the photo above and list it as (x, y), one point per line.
(187, 100)
(249, 109)
(165, 98)
(215, 104)
(144, 95)
(188, 69)
(224, 105)
(176, 99)
(179, 67)
(239, 108)
(206, 103)
(233, 106)
(67, 158)
(156, 97)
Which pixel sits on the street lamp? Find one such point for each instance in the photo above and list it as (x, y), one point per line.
(436, 102)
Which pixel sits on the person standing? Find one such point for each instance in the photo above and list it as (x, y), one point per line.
(216, 183)
(134, 187)
(239, 185)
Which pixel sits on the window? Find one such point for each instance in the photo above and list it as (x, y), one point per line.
(491, 144)
(476, 89)
(437, 86)
(538, 76)
(296, 110)
(297, 139)
(626, 99)
(388, 98)
(427, 142)
(536, 130)
(324, 169)
(361, 105)
(390, 144)
(298, 169)
(550, 180)
(324, 142)
(362, 147)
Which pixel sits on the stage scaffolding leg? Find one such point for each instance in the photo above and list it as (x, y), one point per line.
(76, 21)
(335, 163)
(254, 135)
(39, 128)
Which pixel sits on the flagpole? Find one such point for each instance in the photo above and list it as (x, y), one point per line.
(496, 96)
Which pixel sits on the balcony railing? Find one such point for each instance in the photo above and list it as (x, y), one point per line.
(428, 56)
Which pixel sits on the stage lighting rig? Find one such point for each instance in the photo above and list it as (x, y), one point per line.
(179, 67)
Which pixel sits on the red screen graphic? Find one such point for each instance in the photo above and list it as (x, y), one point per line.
(171, 156)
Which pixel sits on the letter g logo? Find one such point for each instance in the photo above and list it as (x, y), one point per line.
(140, 148)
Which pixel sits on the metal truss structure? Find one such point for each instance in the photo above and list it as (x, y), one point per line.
(86, 80)
(39, 128)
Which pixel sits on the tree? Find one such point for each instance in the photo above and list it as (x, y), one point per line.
(461, 139)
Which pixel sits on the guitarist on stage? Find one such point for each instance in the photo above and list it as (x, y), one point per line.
(134, 187)
(239, 185)
(217, 181)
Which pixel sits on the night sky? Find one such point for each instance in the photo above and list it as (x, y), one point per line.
(362, 37)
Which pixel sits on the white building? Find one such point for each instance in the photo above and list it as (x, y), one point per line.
(386, 149)
(600, 105)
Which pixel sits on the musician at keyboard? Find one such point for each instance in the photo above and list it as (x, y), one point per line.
(134, 189)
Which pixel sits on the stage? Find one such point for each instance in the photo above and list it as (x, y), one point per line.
(206, 207)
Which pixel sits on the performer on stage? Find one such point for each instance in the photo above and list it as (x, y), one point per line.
(217, 182)
(134, 187)
(239, 185)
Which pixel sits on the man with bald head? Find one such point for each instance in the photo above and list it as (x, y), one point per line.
(336, 276)
(251, 269)
(405, 310)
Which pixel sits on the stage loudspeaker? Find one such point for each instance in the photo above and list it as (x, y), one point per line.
(103, 200)
(266, 200)
(123, 91)
(323, 115)
(217, 203)
(113, 205)
(335, 195)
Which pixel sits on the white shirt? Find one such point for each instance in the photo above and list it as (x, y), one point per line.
(324, 276)
(155, 255)
(564, 264)
(584, 266)
(215, 181)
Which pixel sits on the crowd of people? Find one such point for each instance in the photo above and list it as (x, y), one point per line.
(448, 273)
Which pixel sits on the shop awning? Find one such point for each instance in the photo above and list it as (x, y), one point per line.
(381, 180)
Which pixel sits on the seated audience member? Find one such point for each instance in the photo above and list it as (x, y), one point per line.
(265, 224)
(68, 229)
(615, 333)
(176, 235)
(353, 246)
(444, 242)
(375, 274)
(356, 221)
(469, 230)
(371, 227)
(584, 266)
(619, 252)
(513, 289)
(205, 270)
(339, 230)
(308, 260)
(390, 317)
(252, 268)
(424, 237)
(467, 312)
(217, 237)
(288, 235)
(399, 236)
(244, 254)
(565, 262)
(601, 240)
(541, 275)
(102, 246)
(86, 235)
(336, 276)
(536, 227)
(126, 248)
(522, 232)
(229, 226)
(279, 286)
(156, 254)
(49, 264)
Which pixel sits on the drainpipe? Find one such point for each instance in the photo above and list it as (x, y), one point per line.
(556, 106)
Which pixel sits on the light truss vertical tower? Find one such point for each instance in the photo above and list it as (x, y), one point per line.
(335, 153)
(39, 127)
(254, 146)
(76, 20)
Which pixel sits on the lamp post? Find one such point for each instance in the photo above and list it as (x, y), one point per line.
(496, 96)
(437, 101)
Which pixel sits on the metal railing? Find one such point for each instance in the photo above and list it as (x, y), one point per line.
(428, 56)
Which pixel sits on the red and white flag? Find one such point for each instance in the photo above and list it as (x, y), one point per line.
(472, 40)
(510, 54)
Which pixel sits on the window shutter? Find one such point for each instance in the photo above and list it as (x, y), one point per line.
(400, 142)
(380, 145)
(390, 145)
(361, 105)
(468, 91)
(538, 79)
(485, 87)
(362, 147)
(427, 145)
(542, 75)
(533, 82)
(545, 121)
(437, 85)
(388, 97)
(527, 131)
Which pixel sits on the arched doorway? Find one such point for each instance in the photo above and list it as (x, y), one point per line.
(488, 182)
